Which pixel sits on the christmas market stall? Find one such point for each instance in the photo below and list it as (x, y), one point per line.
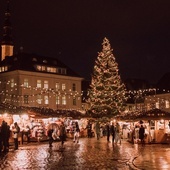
(156, 123)
(34, 122)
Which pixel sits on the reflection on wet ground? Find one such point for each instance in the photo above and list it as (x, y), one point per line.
(89, 154)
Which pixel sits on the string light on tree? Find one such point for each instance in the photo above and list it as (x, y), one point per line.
(107, 92)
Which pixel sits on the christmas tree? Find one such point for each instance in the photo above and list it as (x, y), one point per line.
(107, 92)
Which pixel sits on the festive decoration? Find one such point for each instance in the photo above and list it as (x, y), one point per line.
(107, 92)
(153, 114)
(40, 112)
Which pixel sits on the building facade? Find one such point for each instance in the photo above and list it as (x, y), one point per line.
(35, 81)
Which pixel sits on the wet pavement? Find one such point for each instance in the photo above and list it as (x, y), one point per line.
(88, 154)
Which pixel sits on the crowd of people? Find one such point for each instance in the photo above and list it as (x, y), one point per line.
(112, 131)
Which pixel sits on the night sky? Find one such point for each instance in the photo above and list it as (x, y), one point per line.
(73, 31)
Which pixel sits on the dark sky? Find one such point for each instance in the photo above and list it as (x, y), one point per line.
(73, 30)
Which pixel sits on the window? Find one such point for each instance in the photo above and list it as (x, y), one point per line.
(59, 70)
(74, 101)
(63, 86)
(39, 83)
(57, 86)
(74, 87)
(25, 99)
(43, 68)
(63, 71)
(39, 100)
(26, 83)
(157, 105)
(51, 69)
(12, 83)
(45, 84)
(46, 101)
(64, 100)
(38, 68)
(166, 104)
(57, 100)
(3, 68)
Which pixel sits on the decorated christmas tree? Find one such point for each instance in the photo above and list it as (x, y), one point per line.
(107, 92)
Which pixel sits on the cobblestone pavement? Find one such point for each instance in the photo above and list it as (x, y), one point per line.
(88, 154)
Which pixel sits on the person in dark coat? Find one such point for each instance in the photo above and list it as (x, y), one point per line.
(108, 132)
(4, 135)
(50, 136)
(7, 137)
(62, 135)
(89, 130)
(112, 131)
(142, 134)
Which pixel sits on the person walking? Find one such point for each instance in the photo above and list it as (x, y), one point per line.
(112, 131)
(50, 136)
(76, 132)
(7, 136)
(62, 134)
(97, 128)
(15, 130)
(89, 130)
(117, 133)
(142, 134)
(108, 131)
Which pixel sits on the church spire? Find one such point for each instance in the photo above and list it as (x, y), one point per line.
(7, 42)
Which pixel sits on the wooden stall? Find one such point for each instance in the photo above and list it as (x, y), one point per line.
(156, 123)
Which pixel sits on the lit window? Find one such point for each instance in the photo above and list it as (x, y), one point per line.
(26, 83)
(46, 100)
(43, 68)
(64, 100)
(25, 99)
(63, 86)
(148, 106)
(57, 86)
(39, 100)
(38, 68)
(166, 104)
(46, 84)
(12, 83)
(51, 69)
(39, 83)
(57, 100)
(74, 87)
(157, 105)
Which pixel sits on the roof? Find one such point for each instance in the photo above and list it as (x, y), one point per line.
(153, 114)
(27, 62)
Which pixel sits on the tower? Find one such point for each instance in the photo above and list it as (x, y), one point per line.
(7, 42)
